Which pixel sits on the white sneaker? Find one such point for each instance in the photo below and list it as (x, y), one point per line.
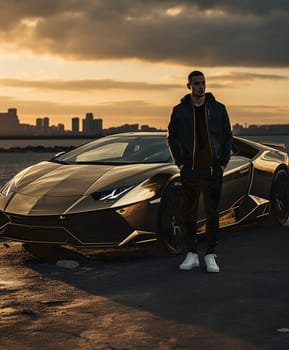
(191, 260)
(211, 263)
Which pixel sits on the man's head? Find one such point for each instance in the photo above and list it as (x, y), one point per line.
(197, 83)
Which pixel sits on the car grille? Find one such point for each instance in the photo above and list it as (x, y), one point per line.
(89, 228)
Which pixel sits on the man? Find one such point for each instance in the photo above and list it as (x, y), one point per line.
(200, 139)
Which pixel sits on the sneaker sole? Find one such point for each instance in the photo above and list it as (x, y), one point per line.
(213, 271)
(186, 268)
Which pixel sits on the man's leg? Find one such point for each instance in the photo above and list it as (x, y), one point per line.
(188, 218)
(212, 191)
(189, 210)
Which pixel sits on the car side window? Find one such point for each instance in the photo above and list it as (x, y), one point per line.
(237, 162)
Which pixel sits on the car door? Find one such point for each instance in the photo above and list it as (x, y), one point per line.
(236, 181)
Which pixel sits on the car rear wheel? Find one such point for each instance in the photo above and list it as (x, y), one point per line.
(279, 210)
(171, 237)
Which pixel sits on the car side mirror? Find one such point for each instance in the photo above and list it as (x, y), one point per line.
(58, 154)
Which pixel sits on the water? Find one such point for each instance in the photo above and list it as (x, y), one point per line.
(12, 162)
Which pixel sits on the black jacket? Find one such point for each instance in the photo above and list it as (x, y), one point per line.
(181, 131)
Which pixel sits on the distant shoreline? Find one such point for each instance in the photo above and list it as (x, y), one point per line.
(38, 149)
(53, 144)
(45, 137)
(93, 137)
(260, 135)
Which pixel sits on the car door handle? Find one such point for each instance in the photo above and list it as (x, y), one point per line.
(244, 170)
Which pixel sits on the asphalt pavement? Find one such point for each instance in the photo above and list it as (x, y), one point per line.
(140, 300)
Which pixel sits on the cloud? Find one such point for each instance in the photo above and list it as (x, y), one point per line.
(82, 85)
(196, 32)
(248, 76)
(244, 6)
(235, 79)
(227, 80)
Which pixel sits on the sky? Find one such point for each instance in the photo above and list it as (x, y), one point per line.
(127, 61)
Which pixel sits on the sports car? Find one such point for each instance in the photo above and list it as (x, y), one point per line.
(124, 190)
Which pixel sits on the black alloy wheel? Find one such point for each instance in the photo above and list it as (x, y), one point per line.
(171, 237)
(279, 210)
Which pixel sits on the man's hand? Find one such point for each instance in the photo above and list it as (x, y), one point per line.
(222, 167)
(181, 166)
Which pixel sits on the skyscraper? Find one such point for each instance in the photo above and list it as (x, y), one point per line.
(9, 123)
(75, 125)
(91, 126)
(45, 125)
(39, 125)
(97, 126)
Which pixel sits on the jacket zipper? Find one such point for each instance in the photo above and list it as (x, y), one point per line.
(206, 117)
(194, 145)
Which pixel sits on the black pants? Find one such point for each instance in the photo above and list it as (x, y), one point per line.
(192, 187)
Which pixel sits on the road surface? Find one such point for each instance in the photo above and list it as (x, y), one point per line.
(137, 299)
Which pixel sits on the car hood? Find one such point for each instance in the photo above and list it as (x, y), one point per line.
(54, 179)
(50, 188)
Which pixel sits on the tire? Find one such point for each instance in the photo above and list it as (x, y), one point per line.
(171, 237)
(279, 209)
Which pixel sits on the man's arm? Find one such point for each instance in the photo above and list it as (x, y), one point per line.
(173, 139)
(227, 140)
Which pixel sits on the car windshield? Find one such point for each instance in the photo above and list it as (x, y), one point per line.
(119, 150)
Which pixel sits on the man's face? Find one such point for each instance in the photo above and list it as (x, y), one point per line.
(198, 86)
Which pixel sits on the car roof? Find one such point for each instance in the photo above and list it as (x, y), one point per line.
(140, 133)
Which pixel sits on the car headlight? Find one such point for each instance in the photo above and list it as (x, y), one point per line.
(111, 194)
(8, 188)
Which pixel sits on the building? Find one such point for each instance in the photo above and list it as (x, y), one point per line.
(122, 128)
(91, 126)
(75, 125)
(10, 126)
(255, 130)
(61, 128)
(27, 130)
(147, 128)
(9, 122)
(98, 126)
(87, 124)
(39, 125)
(46, 125)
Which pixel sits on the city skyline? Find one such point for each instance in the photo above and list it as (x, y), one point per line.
(54, 58)
(89, 125)
(11, 126)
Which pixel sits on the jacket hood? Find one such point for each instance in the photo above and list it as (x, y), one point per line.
(187, 98)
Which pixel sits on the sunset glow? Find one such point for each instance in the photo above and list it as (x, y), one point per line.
(62, 59)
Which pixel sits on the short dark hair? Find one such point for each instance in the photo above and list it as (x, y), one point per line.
(195, 73)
